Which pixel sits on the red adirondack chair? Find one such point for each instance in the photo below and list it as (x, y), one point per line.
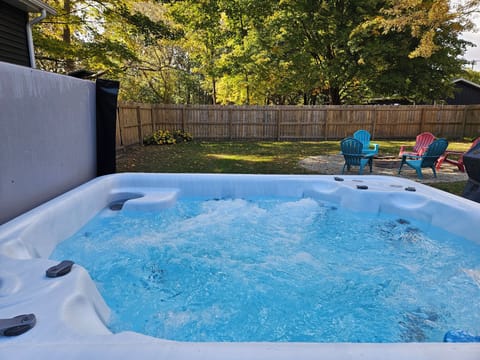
(422, 142)
(457, 154)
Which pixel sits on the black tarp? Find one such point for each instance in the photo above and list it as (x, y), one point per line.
(106, 107)
(471, 161)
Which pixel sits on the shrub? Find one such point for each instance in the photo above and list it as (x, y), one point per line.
(182, 136)
(165, 137)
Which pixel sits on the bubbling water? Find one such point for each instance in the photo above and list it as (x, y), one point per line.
(295, 270)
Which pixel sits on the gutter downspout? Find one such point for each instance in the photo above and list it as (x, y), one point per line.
(31, 50)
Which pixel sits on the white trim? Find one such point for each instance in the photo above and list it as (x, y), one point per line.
(31, 49)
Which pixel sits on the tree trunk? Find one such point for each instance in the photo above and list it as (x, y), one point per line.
(67, 35)
(248, 89)
(214, 90)
(334, 95)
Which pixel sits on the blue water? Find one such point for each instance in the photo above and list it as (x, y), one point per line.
(278, 270)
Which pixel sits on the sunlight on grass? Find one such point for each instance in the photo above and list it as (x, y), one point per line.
(241, 157)
(279, 144)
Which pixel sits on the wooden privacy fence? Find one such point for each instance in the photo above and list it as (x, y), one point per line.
(211, 122)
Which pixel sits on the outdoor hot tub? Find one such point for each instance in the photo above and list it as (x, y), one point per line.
(73, 318)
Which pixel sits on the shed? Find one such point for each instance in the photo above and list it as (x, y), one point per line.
(16, 45)
(466, 93)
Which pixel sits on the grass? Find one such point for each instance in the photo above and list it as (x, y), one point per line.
(254, 157)
(225, 157)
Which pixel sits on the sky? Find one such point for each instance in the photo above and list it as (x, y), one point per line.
(472, 53)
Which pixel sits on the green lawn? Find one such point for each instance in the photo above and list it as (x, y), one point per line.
(255, 157)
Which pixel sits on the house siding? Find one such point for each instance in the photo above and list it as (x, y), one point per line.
(13, 35)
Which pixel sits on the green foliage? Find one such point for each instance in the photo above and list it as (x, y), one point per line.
(261, 51)
(473, 76)
(119, 39)
(165, 137)
(182, 136)
(143, 25)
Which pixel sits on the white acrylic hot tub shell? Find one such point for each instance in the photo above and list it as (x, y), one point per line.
(71, 314)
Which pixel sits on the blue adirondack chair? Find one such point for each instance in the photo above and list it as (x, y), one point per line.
(427, 160)
(352, 152)
(364, 137)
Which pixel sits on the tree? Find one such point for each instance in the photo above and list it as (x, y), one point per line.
(204, 38)
(323, 29)
(412, 49)
(271, 70)
(76, 38)
(261, 51)
(124, 40)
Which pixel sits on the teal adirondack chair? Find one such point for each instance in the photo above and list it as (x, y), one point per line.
(352, 152)
(364, 137)
(427, 160)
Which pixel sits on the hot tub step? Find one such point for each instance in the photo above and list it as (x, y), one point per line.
(152, 201)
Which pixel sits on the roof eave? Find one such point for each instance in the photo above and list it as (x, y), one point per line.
(32, 6)
(467, 82)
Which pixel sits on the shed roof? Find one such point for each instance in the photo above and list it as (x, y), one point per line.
(32, 6)
(460, 80)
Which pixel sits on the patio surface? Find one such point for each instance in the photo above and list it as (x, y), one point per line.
(332, 165)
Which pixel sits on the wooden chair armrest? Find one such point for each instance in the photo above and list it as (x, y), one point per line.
(422, 150)
(411, 156)
(449, 152)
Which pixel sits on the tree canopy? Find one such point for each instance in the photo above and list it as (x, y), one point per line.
(260, 51)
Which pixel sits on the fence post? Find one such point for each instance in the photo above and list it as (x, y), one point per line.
(325, 116)
(374, 121)
(139, 125)
(183, 118)
(230, 125)
(151, 118)
(464, 125)
(279, 115)
(264, 130)
(120, 127)
(422, 121)
(440, 124)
